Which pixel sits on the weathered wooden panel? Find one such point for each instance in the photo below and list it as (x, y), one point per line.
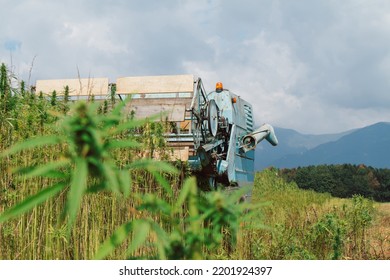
(155, 84)
(170, 112)
(168, 101)
(77, 87)
(180, 154)
(185, 125)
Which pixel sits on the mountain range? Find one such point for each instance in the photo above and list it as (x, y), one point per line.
(369, 145)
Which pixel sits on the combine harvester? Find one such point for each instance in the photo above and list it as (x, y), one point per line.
(214, 131)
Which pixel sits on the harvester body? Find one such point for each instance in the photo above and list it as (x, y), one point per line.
(224, 137)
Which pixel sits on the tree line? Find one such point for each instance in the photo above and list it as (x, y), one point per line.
(343, 180)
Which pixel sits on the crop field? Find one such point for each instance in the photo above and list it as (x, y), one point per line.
(79, 181)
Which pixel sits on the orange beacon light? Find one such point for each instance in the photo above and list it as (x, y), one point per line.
(219, 87)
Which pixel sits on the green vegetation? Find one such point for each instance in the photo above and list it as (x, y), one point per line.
(345, 180)
(67, 180)
(78, 181)
(304, 224)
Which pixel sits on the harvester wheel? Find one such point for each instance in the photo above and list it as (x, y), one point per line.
(212, 116)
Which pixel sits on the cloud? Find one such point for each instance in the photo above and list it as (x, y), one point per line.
(343, 48)
(318, 65)
(315, 66)
(260, 71)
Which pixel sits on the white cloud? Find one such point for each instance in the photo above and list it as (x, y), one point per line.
(261, 71)
(315, 66)
(91, 35)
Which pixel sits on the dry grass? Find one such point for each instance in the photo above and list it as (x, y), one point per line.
(380, 231)
(302, 224)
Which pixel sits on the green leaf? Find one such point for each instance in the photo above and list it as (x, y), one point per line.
(92, 107)
(78, 186)
(153, 204)
(43, 170)
(32, 143)
(123, 144)
(31, 202)
(162, 166)
(193, 208)
(111, 177)
(184, 194)
(235, 195)
(118, 108)
(163, 182)
(108, 119)
(124, 182)
(141, 230)
(96, 187)
(96, 136)
(153, 165)
(162, 240)
(126, 125)
(115, 240)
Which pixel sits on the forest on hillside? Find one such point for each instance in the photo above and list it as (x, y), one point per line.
(342, 180)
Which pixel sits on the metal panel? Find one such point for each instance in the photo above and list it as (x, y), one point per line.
(155, 84)
(231, 155)
(77, 87)
(244, 167)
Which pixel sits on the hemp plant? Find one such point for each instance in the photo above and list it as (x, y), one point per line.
(87, 165)
(177, 223)
(195, 222)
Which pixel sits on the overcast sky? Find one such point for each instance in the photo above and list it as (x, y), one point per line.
(316, 66)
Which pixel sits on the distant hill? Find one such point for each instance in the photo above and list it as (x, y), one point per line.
(368, 145)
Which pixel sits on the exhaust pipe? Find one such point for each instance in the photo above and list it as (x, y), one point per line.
(250, 141)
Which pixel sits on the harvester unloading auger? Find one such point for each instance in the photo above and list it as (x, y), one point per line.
(214, 131)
